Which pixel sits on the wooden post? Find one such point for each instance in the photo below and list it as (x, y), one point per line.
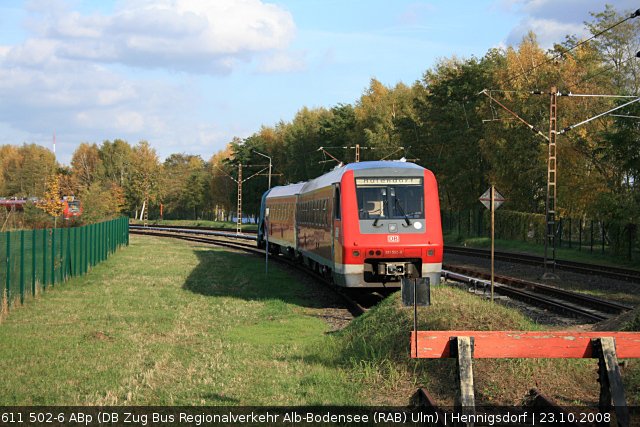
(493, 213)
(463, 352)
(611, 387)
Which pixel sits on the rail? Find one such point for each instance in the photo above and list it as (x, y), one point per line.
(619, 273)
(556, 299)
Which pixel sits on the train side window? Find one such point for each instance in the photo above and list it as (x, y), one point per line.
(324, 212)
(336, 203)
(306, 212)
(314, 214)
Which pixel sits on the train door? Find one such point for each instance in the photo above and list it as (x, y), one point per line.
(336, 229)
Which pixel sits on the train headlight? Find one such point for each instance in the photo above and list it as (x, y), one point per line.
(356, 253)
(417, 225)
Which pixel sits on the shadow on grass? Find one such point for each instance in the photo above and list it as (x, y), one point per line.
(227, 274)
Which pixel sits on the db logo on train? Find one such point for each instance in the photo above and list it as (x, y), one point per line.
(393, 238)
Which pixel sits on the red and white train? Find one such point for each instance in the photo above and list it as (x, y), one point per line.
(71, 207)
(364, 225)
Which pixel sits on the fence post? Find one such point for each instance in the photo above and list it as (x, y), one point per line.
(34, 238)
(21, 267)
(44, 258)
(86, 249)
(560, 232)
(630, 234)
(68, 261)
(62, 252)
(591, 236)
(8, 277)
(53, 257)
(74, 265)
(569, 232)
(103, 241)
(580, 235)
(602, 231)
(92, 245)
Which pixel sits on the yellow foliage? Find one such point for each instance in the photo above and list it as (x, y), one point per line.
(51, 202)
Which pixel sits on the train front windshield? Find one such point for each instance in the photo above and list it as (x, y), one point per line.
(391, 198)
(74, 207)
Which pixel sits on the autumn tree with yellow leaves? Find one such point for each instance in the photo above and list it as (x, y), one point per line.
(51, 202)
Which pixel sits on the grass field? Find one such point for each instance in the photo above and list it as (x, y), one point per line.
(168, 324)
(171, 323)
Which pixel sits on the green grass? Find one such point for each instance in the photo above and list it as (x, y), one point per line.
(375, 349)
(169, 324)
(573, 254)
(199, 223)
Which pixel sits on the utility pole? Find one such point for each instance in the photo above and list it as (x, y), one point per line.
(550, 238)
(552, 175)
(239, 206)
(239, 181)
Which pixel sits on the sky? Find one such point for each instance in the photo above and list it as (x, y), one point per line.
(190, 75)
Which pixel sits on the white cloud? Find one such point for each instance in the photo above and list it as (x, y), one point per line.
(552, 20)
(79, 74)
(548, 31)
(184, 35)
(282, 62)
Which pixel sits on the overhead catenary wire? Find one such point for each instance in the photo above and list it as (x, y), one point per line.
(559, 55)
(530, 126)
(568, 128)
(593, 76)
(626, 116)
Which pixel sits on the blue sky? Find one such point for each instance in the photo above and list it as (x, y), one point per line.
(189, 75)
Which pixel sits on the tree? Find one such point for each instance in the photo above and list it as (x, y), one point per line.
(51, 202)
(116, 161)
(25, 170)
(144, 177)
(86, 165)
(184, 186)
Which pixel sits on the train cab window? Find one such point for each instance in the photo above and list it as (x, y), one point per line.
(390, 198)
(74, 207)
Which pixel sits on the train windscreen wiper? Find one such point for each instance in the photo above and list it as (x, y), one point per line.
(406, 217)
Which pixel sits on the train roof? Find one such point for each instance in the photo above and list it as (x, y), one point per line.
(286, 190)
(336, 175)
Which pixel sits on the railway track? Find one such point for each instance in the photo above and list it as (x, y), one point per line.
(358, 303)
(624, 274)
(618, 273)
(555, 299)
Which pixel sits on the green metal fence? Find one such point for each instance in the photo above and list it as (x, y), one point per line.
(33, 260)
